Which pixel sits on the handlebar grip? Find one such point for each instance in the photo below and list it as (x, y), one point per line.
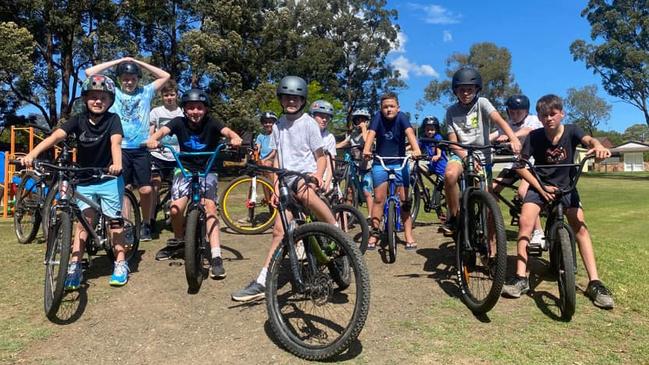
(616, 154)
(16, 162)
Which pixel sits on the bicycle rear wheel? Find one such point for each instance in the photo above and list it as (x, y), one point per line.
(481, 263)
(245, 208)
(352, 222)
(131, 229)
(439, 203)
(194, 258)
(57, 257)
(320, 320)
(27, 212)
(566, 273)
(414, 195)
(391, 232)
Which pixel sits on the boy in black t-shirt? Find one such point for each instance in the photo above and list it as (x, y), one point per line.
(556, 144)
(196, 132)
(99, 137)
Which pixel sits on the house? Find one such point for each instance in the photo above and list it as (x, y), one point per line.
(631, 155)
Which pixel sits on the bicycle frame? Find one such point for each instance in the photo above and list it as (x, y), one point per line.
(417, 178)
(392, 188)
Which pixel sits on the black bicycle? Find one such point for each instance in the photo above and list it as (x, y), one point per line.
(420, 191)
(318, 296)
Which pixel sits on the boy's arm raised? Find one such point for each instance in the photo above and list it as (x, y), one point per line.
(97, 69)
(161, 75)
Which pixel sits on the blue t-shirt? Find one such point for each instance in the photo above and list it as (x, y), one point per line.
(429, 148)
(390, 135)
(264, 141)
(133, 110)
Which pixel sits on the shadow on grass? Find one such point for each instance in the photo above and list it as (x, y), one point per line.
(440, 264)
(72, 306)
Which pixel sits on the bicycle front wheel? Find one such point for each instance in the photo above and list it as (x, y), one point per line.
(194, 259)
(391, 232)
(481, 252)
(245, 207)
(27, 212)
(57, 257)
(566, 274)
(352, 222)
(320, 319)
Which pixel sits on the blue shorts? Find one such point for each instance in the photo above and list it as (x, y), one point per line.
(366, 181)
(109, 192)
(380, 175)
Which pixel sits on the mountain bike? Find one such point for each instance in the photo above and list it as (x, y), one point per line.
(30, 200)
(317, 300)
(419, 192)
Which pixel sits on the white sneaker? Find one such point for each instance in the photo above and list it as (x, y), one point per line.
(538, 239)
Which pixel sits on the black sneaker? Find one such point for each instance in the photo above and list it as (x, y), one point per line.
(516, 286)
(254, 291)
(599, 294)
(145, 232)
(449, 227)
(173, 250)
(217, 271)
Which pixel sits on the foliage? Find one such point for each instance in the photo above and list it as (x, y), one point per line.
(620, 49)
(585, 108)
(637, 132)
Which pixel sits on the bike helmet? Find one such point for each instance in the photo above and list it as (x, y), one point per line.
(128, 67)
(430, 121)
(322, 106)
(516, 102)
(268, 115)
(361, 113)
(99, 83)
(467, 76)
(196, 95)
(292, 85)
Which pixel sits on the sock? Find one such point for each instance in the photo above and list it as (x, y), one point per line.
(216, 252)
(261, 279)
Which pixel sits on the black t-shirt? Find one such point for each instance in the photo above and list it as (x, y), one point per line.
(93, 140)
(544, 152)
(202, 138)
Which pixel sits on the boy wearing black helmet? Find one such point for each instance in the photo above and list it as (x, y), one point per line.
(469, 122)
(438, 160)
(196, 132)
(133, 104)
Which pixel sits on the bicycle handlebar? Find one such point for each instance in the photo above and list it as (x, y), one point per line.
(94, 172)
(281, 172)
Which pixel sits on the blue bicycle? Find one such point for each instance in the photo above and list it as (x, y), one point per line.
(352, 186)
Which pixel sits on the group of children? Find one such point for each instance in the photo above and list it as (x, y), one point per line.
(117, 126)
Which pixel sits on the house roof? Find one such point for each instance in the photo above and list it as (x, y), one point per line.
(631, 146)
(605, 142)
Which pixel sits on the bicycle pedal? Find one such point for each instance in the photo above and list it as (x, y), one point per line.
(535, 251)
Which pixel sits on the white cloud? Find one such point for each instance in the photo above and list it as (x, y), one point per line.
(447, 36)
(405, 67)
(436, 14)
(399, 45)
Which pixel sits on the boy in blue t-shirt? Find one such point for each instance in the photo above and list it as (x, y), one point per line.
(390, 128)
(133, 105)
(437, 163)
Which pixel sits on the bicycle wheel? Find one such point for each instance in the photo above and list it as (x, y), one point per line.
(481, 264)
(318, 321)
(132, 225)
(414, 195)
(27, 212)
(194, 260)
(352, 222)
(439, 204)
(244, 207)
(391, 232)
(57, 257)
(164, 205)
(566, 273)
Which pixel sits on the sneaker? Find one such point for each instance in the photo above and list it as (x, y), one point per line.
(173, 250)
(120, 274)
(254, 291)
(74, 277)
(516, 286)
(538, 240)
(216, 268)
(599, 294)
(145, 232)
(449, 227)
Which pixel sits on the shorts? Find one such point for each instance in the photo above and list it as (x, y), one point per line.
(488, 168)
(109, 193)
(180, 186)
(366, 181)
(162, 168)
(569, 201)
(380, 175)
(136, 167)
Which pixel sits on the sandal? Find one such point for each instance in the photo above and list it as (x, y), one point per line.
(376, 234)
(411, 246)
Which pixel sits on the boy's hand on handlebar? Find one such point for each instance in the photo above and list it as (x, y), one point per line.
(152, 143)
(316, 181)
(600, 153)
(516, 146)
(367, 155)
(502, 138)
(236, 141)
(115, 169)
(549, 196)
(27, 160)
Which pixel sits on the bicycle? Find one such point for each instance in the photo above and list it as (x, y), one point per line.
(352, 184)
(62, 214)
(479, 259)
(317, 300)
(435, 201)
(514, 204)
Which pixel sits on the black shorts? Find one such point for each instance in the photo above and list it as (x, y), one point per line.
(569, 201)
(162, 168)
(136, 167)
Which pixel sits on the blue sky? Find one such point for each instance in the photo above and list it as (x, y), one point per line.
(537, 33)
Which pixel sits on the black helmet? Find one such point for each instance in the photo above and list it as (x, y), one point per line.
(466, 76)
(128, 67)
(430, 121)
(268, 115)
(518, 102)
(196, 95)
(292, 85)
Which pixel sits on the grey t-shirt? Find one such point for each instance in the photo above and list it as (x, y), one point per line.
(159, 117)
(296, 143)
(471, 124)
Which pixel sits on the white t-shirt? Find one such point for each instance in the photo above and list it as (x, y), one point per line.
(329, 142)
(296, 143)
(159, 117)
(531, 121)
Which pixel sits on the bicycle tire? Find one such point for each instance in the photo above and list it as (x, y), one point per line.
(27, 209)
(566, 274)
(194, 236)
(235, 207)
(391, 232)
(288, 308)
(414, 195)
(439, 204)
(478, 264)
(164, 205)
(354, 218)
(130, 230)
(57, 257)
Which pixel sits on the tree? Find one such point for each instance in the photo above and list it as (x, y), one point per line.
(585, 108)
(620, 52)
(15, 72)
(637, 132)
(494, 65)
